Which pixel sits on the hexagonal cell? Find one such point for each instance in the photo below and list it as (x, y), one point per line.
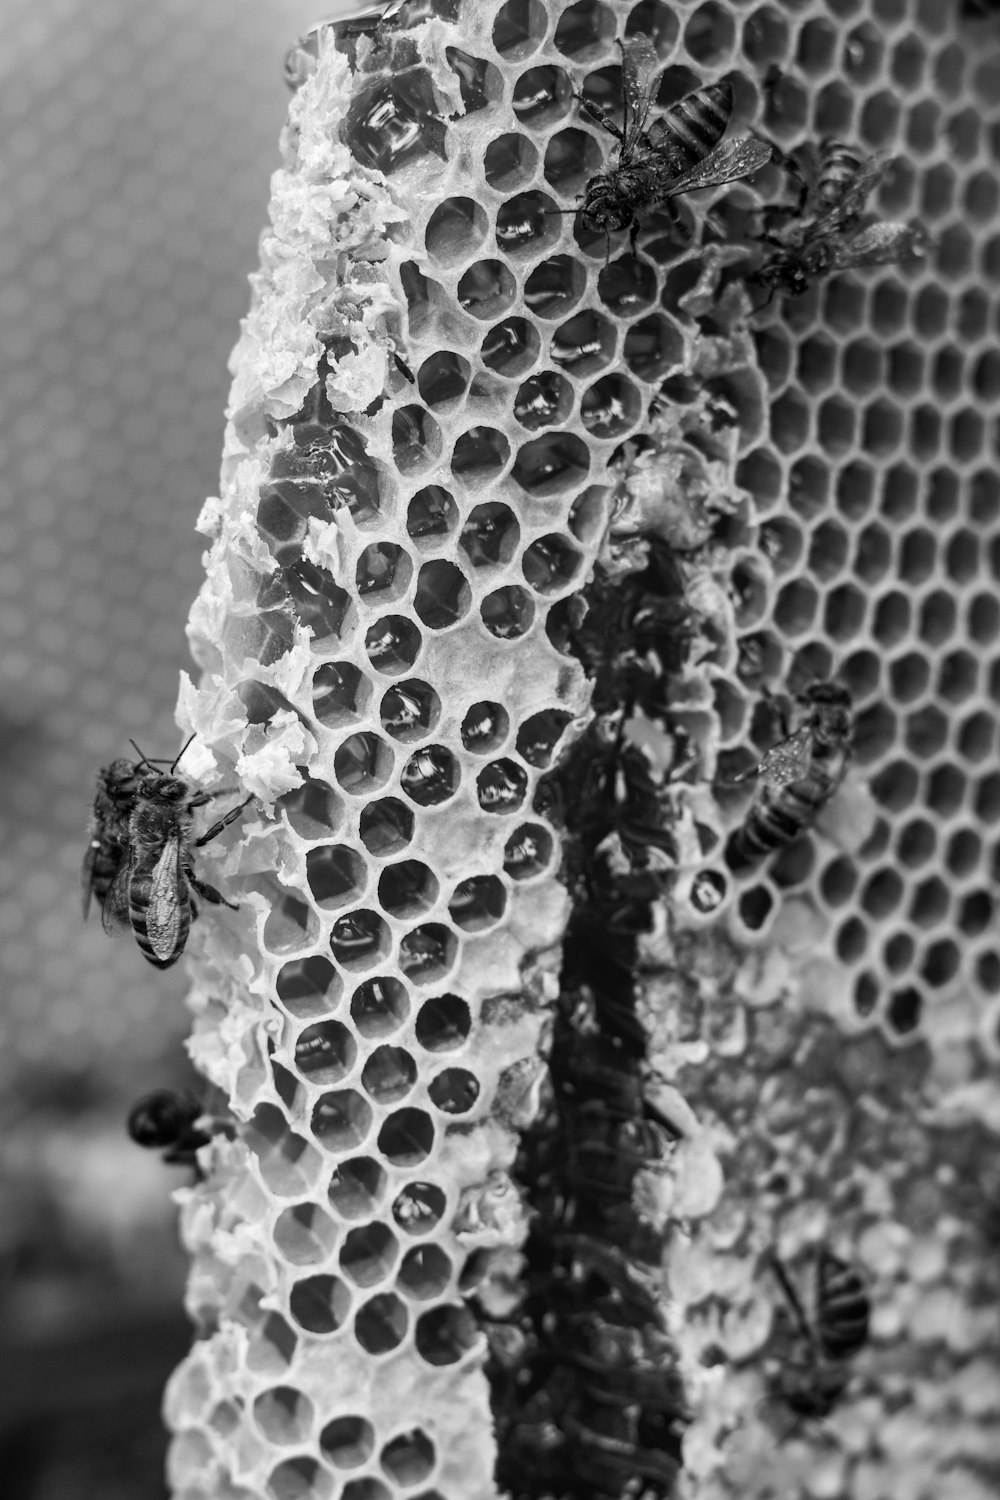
(389, 1074)
(501, 786)
(479, 455)
(478, 81)
(511, 347)
(308, 987)
(490, 535)
(954, 251)
(478, 903)
(443, 1023)
(828, 549)
(409, 1458)
(975, 914)
(976, 736)
(381, 1324)
(851, 942)
(542, 400)
(290, 924)
(882, 428)
(379, 1007)
(541, 96)
(519, 28)
(795, 607)
(442, 596)
(891, 622)
(325, 1052)
(427, 953)
(765, 36)
(341, 1119)
(909, 677)
(816, 48)
(425, 1271)
(362, 764)
(430, 776)
(930, 312)
(610, 407)
(710, 34)
(416, 439)
(336, 875)
(554, 286)
(527, 224)
(835, 425)
(445, 1335)
(551, 464)
(508, 612)
(943, 496)
(386, 826)
(817, 362)
(838, 881)
(454, 1091)
(790, 420)
(898, 953)
(903, 1011)
(320, 1304)
(916, 843)
(409, 710)
(406, 1137)
(983, 618)
(357, 1186)
(304, 1234)
(626, 286)
(930, 902)
(946, 787)
(875, 732)
(882, 893)
(862, 55)
(963, 853)
(833, 110)
(487, 289)
(651, 347)
(786, 106)
(299, 1478)
(431, 515)
(986, 803)
(984, 499)
(340, 694)
(393, 644)
(966, 435)
(455, 231)
(347, 1442)
(443, 379)
(360, 940)
(407, 889)
(550, 564)
(284, 1415)
(419, 1207)
(511, 161)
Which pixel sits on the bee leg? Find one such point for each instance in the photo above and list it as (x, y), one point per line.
(596, 113)
(208, 892)
(216, 828)
(791, 1295)
(403, 368)
(633, 235)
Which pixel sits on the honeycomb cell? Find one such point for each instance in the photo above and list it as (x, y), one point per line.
(443, 380)
(362, 764)
(369, 1254)
(444, 1335)
(409, 710)
(898, 953)
(988, 972)
(430, 776)
(340, 694)
(511, 161)
(838, 881)
(916, 843)
(442, 596)
(808, 486)
(367, 1488)
(946, 787)
(454, 1091)
(511, 348)
(416, 439)
(816, 49)
(851, 942)
(359, 940)
(526, 225)
(986, 802)
(407, 889)
(304, 1234)
(389, 1074)
(501, 786)
(984, 497)
(626, 286)
(347, 1442)
(428, 952)
(381, 1324)
(320, 1304)
(290, 924)
(551, 464)
(710, 34)
(789, 422)
(336, 875)
(963, 852)
(786, 106)
(478, 81)
(795, 607)
(610, 407)
(518, 28)
(555, 286)
(891, 621)
(572, 158)
(900, 487)
(975, 913)
(872, 553)
(409, 1458)
(443, 1023)
(828, 549)
(455, 231)
(406, 1137)
(325, 1052)
(543, 400)
(782, 544)
(508, 612)
(986, 376)
(835, 426)
(833, 110)
(478, 903)
(341, 1119)
(487, 289)
(425, 1272)
(541, 96)
(272, 1350)
(942, 499)
(393, 644)
(284, 1415)
(882, 893)
(394, 122)
(909, 677)
(755, 906)
(299, 1478)
(419, 1208)
(976, 737)
(966, 435)
(357, 1187)
(651, 347)
(432, 514)
(313, 810)
(308, 987)
(817, 363)
(903, 1010)
(491, 535)
(984, 618)
(484, 727)
(882, 428)
(386, 826)
(479, 456)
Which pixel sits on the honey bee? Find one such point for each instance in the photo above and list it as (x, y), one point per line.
(152, 890)
(831, 236)
(813, 1386)
(167, 1121)
(679, 153)
(797, 776)
(114, 800)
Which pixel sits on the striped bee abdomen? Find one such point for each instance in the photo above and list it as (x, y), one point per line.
(697, 122)
(842, 1307)
(778, 815)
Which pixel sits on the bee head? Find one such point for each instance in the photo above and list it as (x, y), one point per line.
(164, 788)
(118, 780)
(609, 206)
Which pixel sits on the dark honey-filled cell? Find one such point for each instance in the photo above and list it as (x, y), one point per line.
(395, 121)
(381, 1324)
(369, 1254)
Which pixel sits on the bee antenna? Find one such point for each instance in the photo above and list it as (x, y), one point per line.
(144, 760)
(180, 752)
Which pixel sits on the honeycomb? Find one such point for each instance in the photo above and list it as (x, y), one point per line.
(445, 394)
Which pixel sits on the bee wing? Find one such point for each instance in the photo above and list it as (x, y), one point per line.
(114, 912)
(737, 158)
(877, 244)
(87, 871)
(787, 761)
(639, 67)
(167, 894)
(854, 197)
